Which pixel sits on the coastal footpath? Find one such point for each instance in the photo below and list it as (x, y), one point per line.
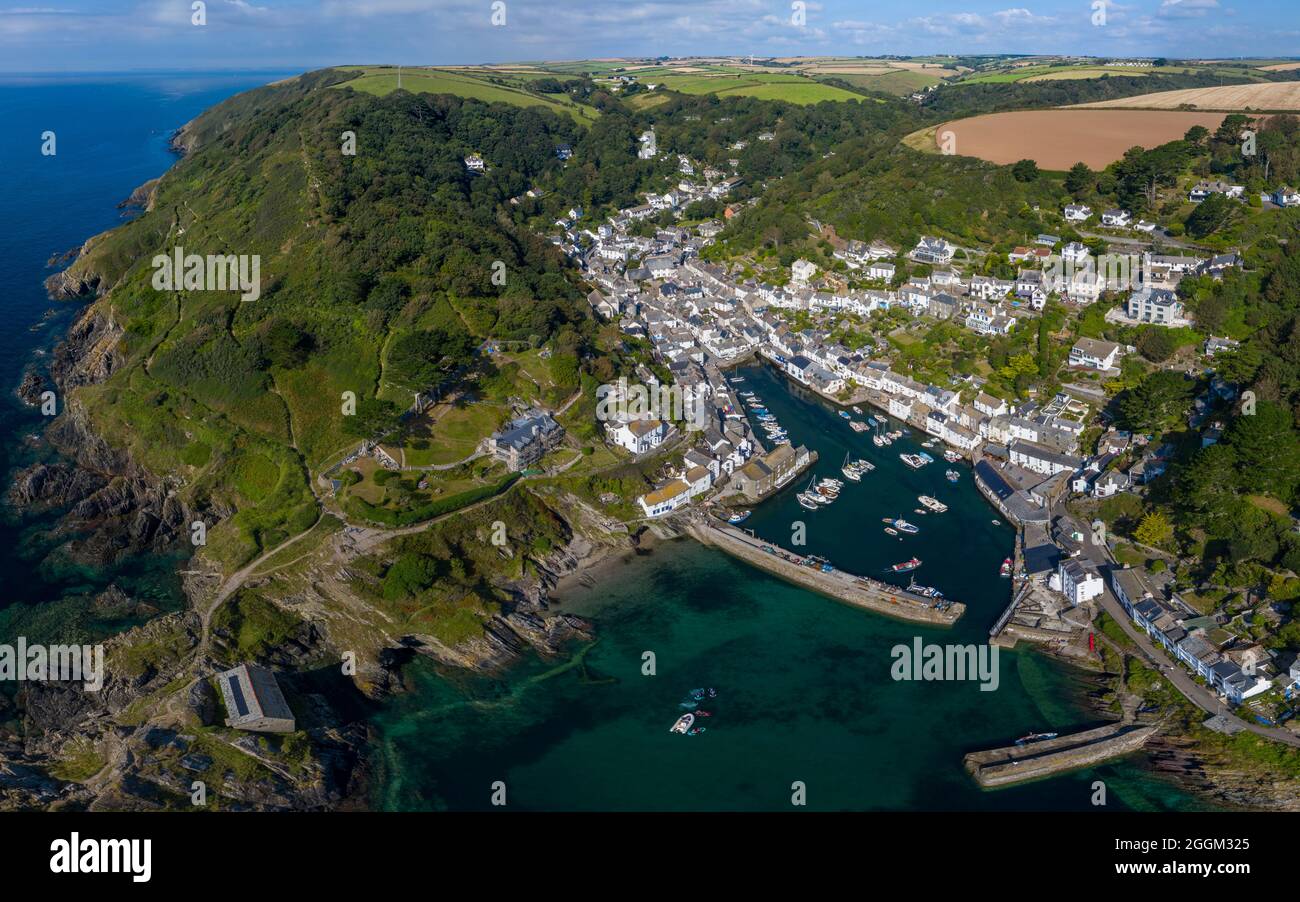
(858, 591)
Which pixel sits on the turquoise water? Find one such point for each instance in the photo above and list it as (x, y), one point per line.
(805, 692)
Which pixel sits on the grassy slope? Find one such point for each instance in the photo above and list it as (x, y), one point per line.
(192, 396)
(383, 80)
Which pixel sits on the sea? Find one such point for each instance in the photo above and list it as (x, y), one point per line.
(804, 710)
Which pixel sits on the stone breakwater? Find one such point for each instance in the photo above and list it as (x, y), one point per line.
(1017, 763)
(858, 591)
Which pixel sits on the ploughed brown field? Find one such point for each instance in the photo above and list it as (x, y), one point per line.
(1278, 95)
(1057, 139)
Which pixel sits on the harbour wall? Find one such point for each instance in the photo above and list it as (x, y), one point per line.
(861, 592)
(1016, 763)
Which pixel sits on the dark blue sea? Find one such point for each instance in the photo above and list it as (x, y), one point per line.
(111, 135)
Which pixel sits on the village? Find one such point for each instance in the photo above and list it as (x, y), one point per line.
(1029, 458)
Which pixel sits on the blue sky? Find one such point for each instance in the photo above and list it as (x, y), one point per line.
(117, 35)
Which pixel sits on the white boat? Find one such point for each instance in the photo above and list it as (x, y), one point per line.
(933, 504)
(904, 526)
(912, 461)
(684, 723)
(857, 410)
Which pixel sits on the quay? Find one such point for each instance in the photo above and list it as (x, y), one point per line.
(1016, 763)
(859, 591)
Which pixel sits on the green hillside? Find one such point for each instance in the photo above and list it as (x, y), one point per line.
(375, 279)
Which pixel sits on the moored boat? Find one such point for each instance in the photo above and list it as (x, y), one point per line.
(906, 566)
(739, 517)
(683, 724)
(933, 504)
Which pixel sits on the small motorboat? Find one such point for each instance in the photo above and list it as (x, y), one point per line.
(891, 530)
(683, 724)
(1035, 737)
(857, 410)
(904, 526)
(1005, 569)
(739, 517)
(906, 566)
(952, 475)
(845, 415)
(997, 522)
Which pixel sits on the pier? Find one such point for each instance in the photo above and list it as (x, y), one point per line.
(859, 591)
(1033, 760)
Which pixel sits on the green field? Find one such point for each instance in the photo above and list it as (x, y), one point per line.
(1063, 72)
(900, 81)
(383, 80)
(790, 88)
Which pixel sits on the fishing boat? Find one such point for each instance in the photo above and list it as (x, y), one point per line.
(739, 517)
(952, 475)
(1035, 737)
(904, 526)
(933, 504)
(1005, 569)
(906, 566)
(951, 456)
(927, 591)
(683, 724)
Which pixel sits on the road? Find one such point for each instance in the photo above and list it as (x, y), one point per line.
(1203, 698)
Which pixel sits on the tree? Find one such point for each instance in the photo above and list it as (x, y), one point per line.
(1154, 530)
(1156, 344)
(375, 418)
(420, 360)
(1210, 215)
(285, 345)
(1024, 170)
(409, 575)
(1079, 179)
(1268, 450)
(1157, 402)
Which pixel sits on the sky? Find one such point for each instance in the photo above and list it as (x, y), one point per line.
(126, 35)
